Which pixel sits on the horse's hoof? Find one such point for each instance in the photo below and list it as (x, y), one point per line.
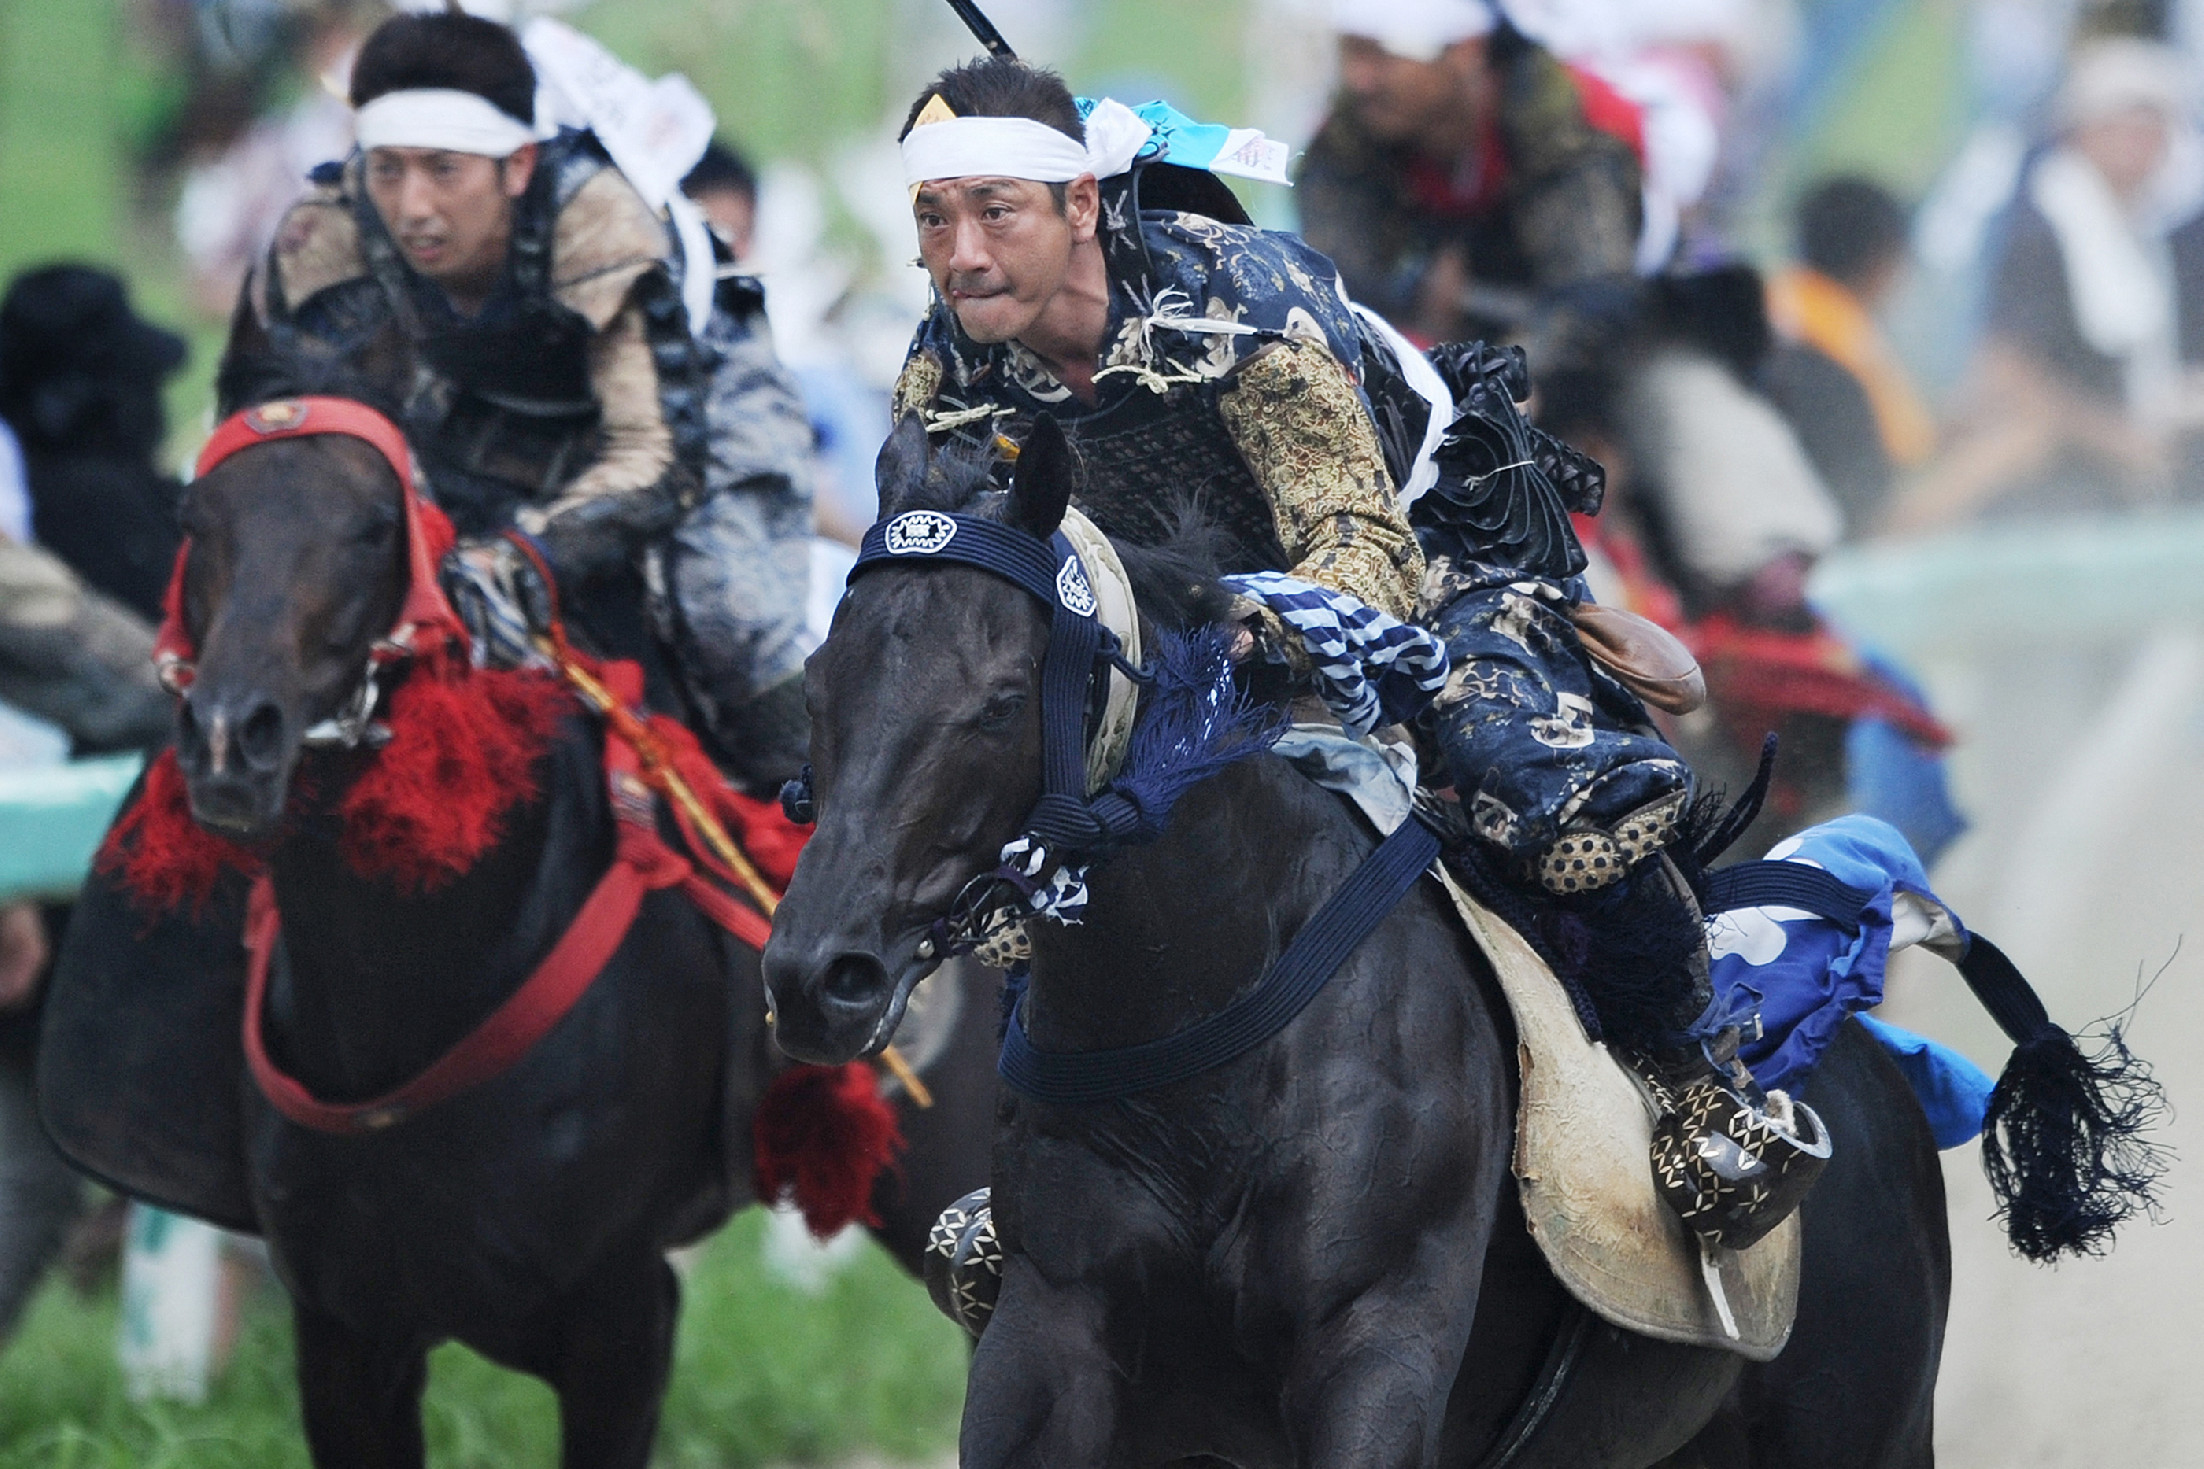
(964, 1263)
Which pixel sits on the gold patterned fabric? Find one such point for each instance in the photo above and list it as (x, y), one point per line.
(1296, 419)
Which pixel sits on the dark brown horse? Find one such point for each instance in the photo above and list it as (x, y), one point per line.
(529, 1216)
(1311, 1255)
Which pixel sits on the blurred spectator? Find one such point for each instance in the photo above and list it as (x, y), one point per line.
(725, 187)
(72, 658)
(1834, 373)
(80, 384)
(2078, 388)
(231, 201)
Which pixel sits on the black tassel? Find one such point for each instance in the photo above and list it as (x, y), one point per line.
(1709, 835)
(2063, 1141)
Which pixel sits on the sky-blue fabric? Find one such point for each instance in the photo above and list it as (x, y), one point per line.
(1810, 974)
(1177, 137)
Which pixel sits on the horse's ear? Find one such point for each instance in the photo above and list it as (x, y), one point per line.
(901, 467)
(1040, 487)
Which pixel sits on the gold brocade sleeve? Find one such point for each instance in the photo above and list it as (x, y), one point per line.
(916, 387)
(1297, 420)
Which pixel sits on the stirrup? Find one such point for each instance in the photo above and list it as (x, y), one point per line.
(1733, 1161)
(964, 1262)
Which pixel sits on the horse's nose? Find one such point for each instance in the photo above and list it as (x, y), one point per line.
(825, 1013)
(853, 982)
(231, 737)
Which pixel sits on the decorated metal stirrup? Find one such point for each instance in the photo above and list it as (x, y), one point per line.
(1731, 1163)
(964, 1262)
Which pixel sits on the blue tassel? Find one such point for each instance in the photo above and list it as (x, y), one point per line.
(1194, 721)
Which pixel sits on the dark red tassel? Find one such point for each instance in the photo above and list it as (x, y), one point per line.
(161, 856)
(463, 753)
(824, 1134)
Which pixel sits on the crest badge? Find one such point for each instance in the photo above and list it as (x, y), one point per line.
(919, 533)
(280, 416)
(1072, 589)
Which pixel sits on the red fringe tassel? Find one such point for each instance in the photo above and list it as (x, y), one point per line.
(824, 1135)
(463, 753)
(161, 856)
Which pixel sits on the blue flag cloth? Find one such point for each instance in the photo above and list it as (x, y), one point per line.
(1810, 972)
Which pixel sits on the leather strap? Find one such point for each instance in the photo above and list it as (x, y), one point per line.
(642, 863)
(1074, 1078)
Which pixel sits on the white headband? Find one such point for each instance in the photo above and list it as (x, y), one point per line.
(440, 117)
(1420, 30)
(1020, 148)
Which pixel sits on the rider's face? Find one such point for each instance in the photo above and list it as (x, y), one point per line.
(1400, 99)
(999, 249)
(451, 213)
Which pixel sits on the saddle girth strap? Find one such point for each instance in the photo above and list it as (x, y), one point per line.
(1078, 1078)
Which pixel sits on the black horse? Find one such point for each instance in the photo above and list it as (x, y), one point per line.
(529, 1216)
(1311, 1255)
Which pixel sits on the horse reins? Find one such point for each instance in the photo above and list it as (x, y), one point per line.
(1066, 821)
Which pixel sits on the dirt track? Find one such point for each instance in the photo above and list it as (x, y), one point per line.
(2083, 771)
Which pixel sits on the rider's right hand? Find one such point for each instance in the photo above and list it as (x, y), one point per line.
(502, 598)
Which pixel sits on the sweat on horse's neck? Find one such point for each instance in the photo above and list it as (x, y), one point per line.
(1174, 930)
(371, 985)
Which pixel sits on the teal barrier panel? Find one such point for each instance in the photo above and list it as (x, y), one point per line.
(2064, 580)
(51, 820)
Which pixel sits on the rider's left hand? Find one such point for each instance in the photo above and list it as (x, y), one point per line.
(502, 598)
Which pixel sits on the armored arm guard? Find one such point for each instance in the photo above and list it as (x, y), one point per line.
(1297, 420)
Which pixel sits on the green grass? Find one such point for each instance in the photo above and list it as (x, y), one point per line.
(764, 1374)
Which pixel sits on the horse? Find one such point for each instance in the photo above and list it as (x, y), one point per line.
(529, 1215)
(1313, 1254)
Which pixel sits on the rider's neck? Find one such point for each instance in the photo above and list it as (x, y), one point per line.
(1067, 335)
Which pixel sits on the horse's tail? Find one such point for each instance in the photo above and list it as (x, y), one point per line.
(2062, 1140)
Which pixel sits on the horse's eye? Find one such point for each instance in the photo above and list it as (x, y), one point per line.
(378, 532)
(1002, 708)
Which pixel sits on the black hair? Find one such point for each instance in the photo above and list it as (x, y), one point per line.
(462, 53)
(996, 86)
(721, 167)
(1849, 226)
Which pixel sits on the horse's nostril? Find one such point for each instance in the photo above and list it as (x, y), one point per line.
(854, 979)
(260, 740)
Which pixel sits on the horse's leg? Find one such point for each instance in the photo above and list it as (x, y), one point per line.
(361, 1399)
(1043, 1390)
(1370, 1387)
(610, 1353)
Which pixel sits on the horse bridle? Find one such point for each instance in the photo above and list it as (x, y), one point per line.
(1065, 824)
(427, 625)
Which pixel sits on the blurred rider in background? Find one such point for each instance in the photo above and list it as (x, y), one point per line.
(559, 382)
(1468, 183)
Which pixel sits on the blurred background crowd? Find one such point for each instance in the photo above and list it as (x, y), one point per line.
(1974, 232)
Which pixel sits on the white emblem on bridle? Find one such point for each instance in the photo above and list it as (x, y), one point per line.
(919, 533)
(1072, 589)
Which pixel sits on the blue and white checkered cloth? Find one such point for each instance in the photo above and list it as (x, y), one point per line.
(1373, 669)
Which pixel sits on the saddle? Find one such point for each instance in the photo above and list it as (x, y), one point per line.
(1584, 1131)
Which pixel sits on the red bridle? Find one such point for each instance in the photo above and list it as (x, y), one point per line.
(426, 624)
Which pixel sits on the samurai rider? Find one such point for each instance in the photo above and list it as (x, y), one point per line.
(1183, 351)
(554, 384)
(1468, 183)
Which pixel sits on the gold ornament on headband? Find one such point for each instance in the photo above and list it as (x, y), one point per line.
(935, 110)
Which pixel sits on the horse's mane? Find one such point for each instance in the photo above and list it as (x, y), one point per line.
(356, 353)
(1174, 581)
